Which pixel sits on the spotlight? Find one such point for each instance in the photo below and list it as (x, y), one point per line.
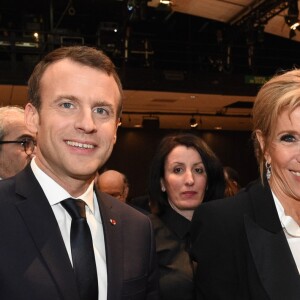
(166, 2)
(36, 36)
(71, 10)
(292, 22)
(193, 122)
(291, 18)
(130, 5)
(295, 25)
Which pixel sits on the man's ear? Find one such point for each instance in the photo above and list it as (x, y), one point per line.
(262, 144)
(126, 191)
(31, 118)
(118, 123)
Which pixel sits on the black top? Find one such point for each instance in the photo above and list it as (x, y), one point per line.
(171, 232)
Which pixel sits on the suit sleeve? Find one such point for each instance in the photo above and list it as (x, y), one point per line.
(213, 250)
(153, 283)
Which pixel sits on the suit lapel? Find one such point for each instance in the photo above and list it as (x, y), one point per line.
(269, 248)
(42, 225)
(112, 228)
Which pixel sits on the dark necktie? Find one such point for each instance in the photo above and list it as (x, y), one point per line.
(82, 250)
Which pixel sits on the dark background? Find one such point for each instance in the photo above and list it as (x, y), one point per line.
(190, 44)
(134, 150)
(193, 46)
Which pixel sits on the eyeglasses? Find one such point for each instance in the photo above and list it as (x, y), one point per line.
(27, 144)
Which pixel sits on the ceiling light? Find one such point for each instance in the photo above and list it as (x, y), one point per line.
(193, 122)
(166, 2)
(130, 5)
(71, 10)
(36, 36)
(292, 22)
(218, 127)
(291, 18)
(295, 25)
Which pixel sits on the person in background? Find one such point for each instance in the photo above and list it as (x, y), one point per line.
(249, 247)
(142, 203)
(17, 143)
(232, 181)
(60, 237)
(184, 173)
(113, 183)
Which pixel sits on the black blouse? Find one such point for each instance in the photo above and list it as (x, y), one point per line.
(175, 266)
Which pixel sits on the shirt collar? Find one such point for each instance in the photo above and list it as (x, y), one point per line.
(55, 193)
(288, 223)
(176, 222)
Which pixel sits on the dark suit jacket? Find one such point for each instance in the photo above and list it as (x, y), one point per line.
(34, 263)
(241, 249)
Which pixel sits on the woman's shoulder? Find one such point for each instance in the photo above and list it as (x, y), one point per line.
(238, 200)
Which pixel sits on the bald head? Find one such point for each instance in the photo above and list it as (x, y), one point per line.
(113, 183)
(13, 130)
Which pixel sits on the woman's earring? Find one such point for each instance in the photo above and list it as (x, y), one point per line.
(269, 170)
(163, 189)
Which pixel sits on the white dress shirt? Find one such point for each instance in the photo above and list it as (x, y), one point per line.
(55, 194)
(291, 230)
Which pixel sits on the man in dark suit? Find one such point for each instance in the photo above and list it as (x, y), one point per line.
(75, 106)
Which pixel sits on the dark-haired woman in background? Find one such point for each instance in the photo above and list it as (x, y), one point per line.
(184, 173)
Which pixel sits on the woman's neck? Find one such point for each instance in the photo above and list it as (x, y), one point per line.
(188, 214)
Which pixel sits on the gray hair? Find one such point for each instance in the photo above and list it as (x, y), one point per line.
(5, 113)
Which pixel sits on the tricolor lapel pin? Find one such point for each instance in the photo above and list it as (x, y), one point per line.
(113, 222)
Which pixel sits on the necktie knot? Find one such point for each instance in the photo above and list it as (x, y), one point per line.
(75, 208)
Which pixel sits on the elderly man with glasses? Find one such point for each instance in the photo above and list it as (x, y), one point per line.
(17, 144)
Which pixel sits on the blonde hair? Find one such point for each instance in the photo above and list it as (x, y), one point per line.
(282, 92)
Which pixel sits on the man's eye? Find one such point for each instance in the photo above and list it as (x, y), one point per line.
(101, 111)
(67, 105)
(288, 138)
